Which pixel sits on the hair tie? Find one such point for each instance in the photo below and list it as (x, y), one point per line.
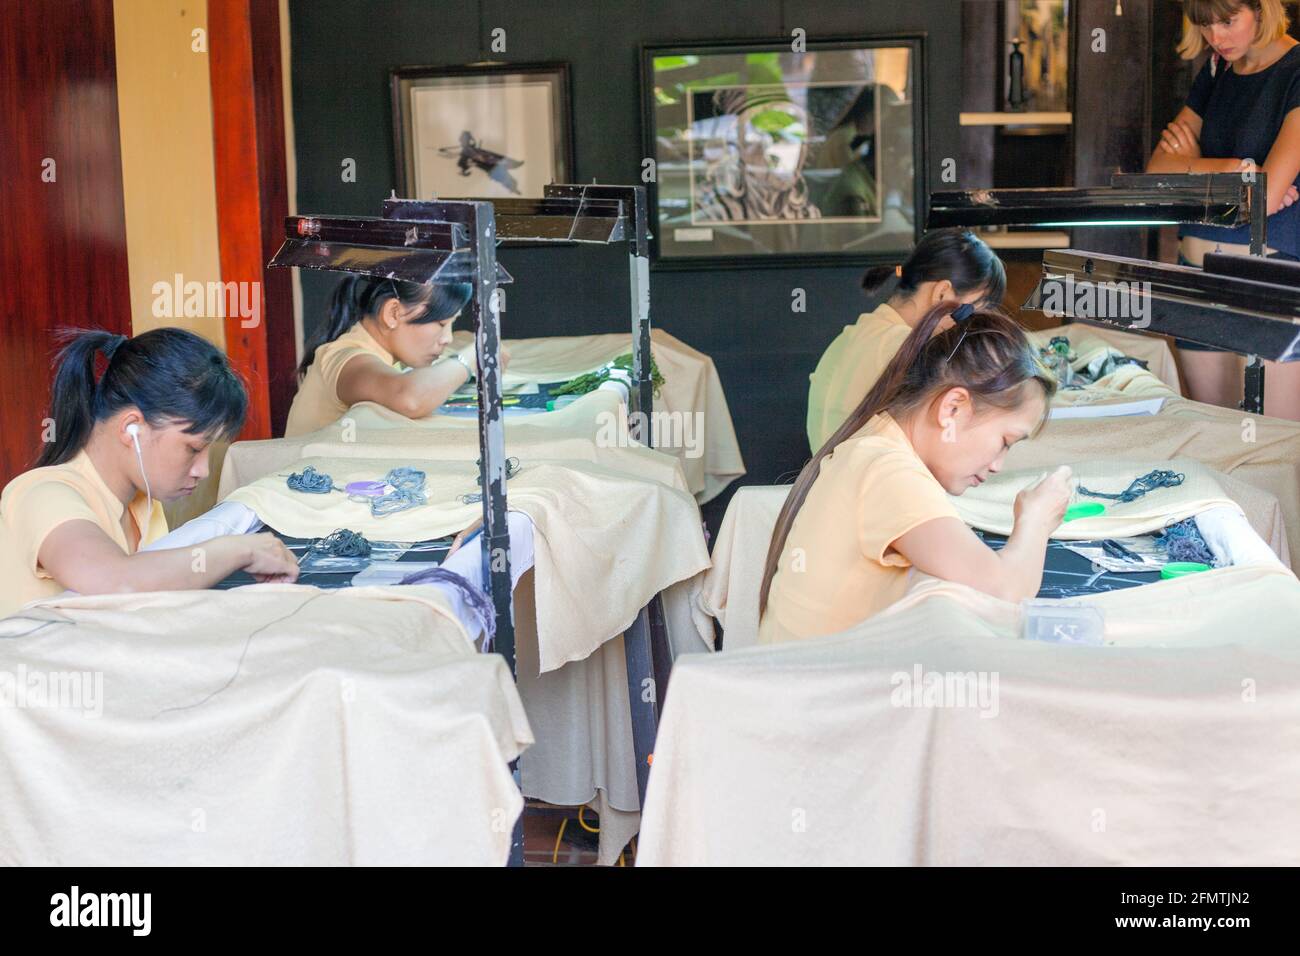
(112, 345)
(105, 349)
(959, 317)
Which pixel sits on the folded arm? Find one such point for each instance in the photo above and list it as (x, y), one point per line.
(1179, 151)
(415, 394)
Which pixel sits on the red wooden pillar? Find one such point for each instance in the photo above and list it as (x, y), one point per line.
(253, 199)
(62, 215)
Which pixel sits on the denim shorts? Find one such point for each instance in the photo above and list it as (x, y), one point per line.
(1187, 346)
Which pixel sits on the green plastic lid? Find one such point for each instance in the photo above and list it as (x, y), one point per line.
(1084, 509)
(1178, 569)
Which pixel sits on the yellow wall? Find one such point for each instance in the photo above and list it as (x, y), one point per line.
(164, 102)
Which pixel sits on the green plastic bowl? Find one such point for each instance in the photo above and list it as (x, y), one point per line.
(1178, 569)
(1084, 509)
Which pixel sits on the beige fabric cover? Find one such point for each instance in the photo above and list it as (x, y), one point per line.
(605, 542)
(989, 507)
(579, 710)
(691, 387)
(360, 728)
(1090, 340)
(730, 588)
(1177, 745)
(581, 432)
(731, 585)
(1263, 452)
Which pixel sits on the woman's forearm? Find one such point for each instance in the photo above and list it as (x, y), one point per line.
(1022, 560)
(172, 569)
(425, 389)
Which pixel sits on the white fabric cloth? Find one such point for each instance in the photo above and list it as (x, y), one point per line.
(1232, 540)
(1148, 406)
(469, 560)
(267, 725)
(933, 735)
(229, 517)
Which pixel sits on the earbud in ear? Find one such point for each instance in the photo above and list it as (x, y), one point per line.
(133, 430)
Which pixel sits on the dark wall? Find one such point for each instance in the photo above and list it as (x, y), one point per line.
(342, 51)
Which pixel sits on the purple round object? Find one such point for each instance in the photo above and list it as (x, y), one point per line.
(369, 489)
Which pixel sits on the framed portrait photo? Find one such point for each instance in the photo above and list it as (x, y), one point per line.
(766, 156)
(496, 130)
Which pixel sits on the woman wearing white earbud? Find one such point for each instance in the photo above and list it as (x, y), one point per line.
(120, 444)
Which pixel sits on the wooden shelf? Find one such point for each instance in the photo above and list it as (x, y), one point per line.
(1029, 239)
(1015, 119)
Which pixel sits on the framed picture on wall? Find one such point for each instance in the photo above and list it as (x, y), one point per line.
(497, 130)
(765, 156)
(1042, 28)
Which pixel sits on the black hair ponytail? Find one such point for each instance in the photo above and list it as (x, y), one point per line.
(958, 255)
(357, 296)
(168, 374)
(875, 279)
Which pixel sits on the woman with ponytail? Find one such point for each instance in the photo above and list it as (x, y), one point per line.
(374, 326)
(119, 441)
(947, 265)
(963, 388)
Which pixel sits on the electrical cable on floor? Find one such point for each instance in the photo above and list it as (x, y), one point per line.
(555, 854)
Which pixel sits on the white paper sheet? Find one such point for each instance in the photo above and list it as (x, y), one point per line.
(1149, 406)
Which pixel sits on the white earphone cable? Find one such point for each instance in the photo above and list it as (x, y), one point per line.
(134, 431)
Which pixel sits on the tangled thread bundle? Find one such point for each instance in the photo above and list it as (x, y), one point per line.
(1059, 355)
(590, 381)
(475, 599)
(408, 492)
(1140, 486)
(1183, 541)
(512, 469)
(310, 481)
(406, 484)
(342, 543)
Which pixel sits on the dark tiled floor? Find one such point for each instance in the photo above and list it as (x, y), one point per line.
(544, 823)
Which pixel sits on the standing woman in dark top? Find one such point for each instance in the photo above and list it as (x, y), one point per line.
(1243, 110)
